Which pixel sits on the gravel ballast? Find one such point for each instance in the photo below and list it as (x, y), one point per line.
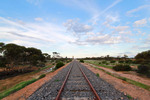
(76, 86)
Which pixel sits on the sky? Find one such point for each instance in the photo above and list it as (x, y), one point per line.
(79, 28)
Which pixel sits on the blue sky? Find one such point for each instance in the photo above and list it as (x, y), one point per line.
(80, 28)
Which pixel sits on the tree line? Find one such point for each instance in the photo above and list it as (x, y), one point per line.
(12, 55)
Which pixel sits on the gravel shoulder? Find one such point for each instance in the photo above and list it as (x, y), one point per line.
(133, 91)
(24, 93)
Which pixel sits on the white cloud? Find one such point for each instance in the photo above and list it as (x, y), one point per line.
(76, 27)
(90, 6)
(111, 19)
(104, 39)
(137, 9)
(95, 18)
(121, 28)
(43, 32)
(38, 19)
(140, 23)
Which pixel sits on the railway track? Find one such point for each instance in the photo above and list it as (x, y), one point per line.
(76, 82)
(77, 85)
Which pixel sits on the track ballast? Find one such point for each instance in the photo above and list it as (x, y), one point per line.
(76, 87)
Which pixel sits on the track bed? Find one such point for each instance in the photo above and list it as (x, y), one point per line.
(70, 84)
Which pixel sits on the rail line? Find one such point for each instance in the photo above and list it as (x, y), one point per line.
(58, 97)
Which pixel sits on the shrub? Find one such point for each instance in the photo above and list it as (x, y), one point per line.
(2, 62)
(143, 68)
(113, 61)
(41, 76)
(128, 61)
(121, 61)
(59, 64)
(41, 64)
(97, 74)
(104, 62)
(122, 67)
(81, 60)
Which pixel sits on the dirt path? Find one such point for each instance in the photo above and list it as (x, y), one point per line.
(134, 91)
(24, 93)
(130, 74)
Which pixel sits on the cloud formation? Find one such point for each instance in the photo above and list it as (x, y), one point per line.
(38, 19)
(137, 9)
(140, 23)
(43, 32)
(76, 27)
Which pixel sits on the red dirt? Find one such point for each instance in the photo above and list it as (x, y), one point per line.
(123, 86)
(24, 93)
(128, 74)
(12, 81)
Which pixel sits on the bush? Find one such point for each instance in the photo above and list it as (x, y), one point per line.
(2, 62)
(59, 64)
(122, 67)
(143, 68)
(121, 61)
(41, 64)
(82, 61)
(97, 74)
(128, 61)
(41, 76)
(113, 61)
(104, 62)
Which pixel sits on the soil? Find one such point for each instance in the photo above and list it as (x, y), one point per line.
(129, 74)
(11, 81)
(123, 86)
(24, 93)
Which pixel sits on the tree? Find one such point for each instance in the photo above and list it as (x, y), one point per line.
(143, 57)
(34, 55)
(47, 56)
(13, 53)
(125, 57)
(1, 47)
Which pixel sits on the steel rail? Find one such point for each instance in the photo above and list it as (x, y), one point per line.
(62, 87)
(94, 91)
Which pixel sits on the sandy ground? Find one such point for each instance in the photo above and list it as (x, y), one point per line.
(24, 93)
(133, 91)
(11, 81)
(129, 74)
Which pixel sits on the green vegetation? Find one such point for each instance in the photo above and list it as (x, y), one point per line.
(122, 67)
(41, 76)
(59, 64)
(143, 59)
(81, 60)
(121, 61)
(41, 69)
(57, 80)
(97, 74)
(96, 62)
(16, 88)
(129, 97)
(112, 61)
(127, 80)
